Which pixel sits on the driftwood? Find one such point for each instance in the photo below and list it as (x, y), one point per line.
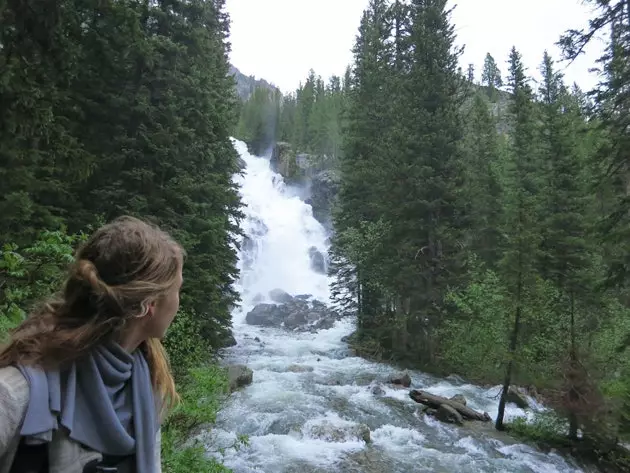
(434, 402)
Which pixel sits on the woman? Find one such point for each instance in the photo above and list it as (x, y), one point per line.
(85, 377)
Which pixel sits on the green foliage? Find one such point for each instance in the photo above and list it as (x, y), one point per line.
(546, 427)
(131, 115)
(201, 396)
(478, 330)
(32, 273)
(185, 345)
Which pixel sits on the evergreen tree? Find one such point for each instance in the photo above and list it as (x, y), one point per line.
(491, 76)
(424, 208)
(481, 191)
(522, 209)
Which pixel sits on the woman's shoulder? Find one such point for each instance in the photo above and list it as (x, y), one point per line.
(14, 390)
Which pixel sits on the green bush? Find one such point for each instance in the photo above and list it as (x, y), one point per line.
(32, 273)
(201, 396)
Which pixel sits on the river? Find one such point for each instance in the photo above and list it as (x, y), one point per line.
(306, 421)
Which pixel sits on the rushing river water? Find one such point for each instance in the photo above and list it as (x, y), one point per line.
(311, 400)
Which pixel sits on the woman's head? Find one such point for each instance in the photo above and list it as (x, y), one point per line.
(126, 278)
(123, 286)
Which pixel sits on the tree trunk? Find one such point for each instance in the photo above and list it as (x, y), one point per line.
(513, 341)
(433, 401)
(573, 395)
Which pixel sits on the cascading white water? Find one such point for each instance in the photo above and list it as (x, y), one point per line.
(311, 400)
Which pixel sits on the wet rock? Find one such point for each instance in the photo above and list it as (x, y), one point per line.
(459, 398)
(334, 433)
(515, 396)
(266, 315)
(299, 369)
(400, 379)
(294, 314)
(295, 320)
(318, 261)
(324, 189)
(257, 339)
(377, 390)
(239, 376)
(229, 341)
(280, 296)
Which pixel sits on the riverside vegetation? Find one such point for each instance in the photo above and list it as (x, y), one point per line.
(481, 227)
(113, 108)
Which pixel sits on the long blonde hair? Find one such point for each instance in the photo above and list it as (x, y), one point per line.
(122, 266)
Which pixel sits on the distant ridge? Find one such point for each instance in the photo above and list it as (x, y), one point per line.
(246, 84)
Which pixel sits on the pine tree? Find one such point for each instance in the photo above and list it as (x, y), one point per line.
(612, 100)
(522, 211)
(566, 255)
(361, 166)
(481, 191)
(491, 76)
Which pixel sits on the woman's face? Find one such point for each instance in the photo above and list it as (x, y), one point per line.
(164, 309)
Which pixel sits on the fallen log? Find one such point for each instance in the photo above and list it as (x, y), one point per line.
(434, 402)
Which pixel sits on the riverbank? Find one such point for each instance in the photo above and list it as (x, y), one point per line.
(544, 431)
(202, 392)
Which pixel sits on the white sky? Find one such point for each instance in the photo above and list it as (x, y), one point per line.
(280, 40)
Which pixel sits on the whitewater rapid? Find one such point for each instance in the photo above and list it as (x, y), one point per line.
(303, 421)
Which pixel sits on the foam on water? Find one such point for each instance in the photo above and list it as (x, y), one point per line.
(306, 421)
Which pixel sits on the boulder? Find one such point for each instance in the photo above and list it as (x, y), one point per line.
(459, 398)
(377, 390)
(266, 315)
(333, 433)
(299, 369)
(325, 186)
(318, 261)
(401, 379)
(295, 319)
(514, 396)
(229, 341)
(280, 296)
(295, 314)
(239, 376)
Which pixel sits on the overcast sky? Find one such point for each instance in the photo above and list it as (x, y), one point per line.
(280, 40)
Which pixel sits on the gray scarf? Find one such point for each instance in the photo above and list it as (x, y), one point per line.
(94, 401)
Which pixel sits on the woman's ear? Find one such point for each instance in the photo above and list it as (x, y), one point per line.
(148, 309)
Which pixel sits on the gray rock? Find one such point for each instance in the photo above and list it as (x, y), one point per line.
(328, 431)
(401, 379)
(318, 261)
(266, 315)
(299, 369)
(514, 396)
(324, 189)
(377, 390)
(459, 398)
(229, 341)
(239, 376)
(294, 320)
(294, 314)
(280, 296)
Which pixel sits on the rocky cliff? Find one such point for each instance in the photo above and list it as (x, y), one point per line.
(316, 174)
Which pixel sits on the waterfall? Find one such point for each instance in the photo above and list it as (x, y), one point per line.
(312, 402)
